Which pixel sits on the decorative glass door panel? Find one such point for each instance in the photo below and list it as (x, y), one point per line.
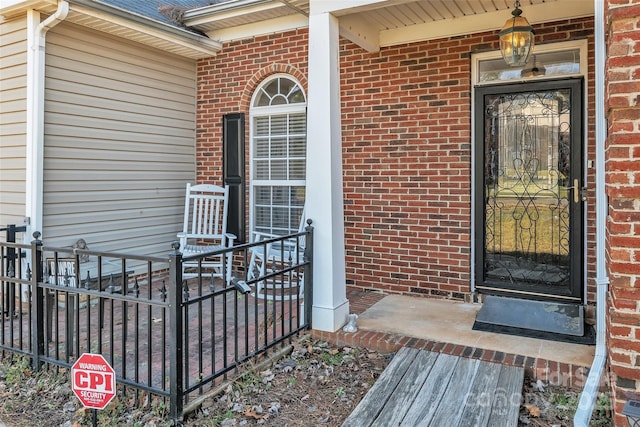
(529, 178)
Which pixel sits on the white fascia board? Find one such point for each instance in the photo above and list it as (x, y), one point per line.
(187, 39)
(332, 6)
(271, 26)
(359, 31)
(543, 12)
(233, 9)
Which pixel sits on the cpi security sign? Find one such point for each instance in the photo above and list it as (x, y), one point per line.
(93, 381)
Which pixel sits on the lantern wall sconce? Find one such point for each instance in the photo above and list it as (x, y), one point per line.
(516, 39)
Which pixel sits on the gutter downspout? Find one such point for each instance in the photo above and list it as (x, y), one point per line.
(36, 32)
(590, 391)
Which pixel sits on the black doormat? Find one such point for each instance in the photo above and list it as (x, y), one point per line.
(589, 337)
(556, 321)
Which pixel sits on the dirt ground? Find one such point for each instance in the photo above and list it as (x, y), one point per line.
(315, 384)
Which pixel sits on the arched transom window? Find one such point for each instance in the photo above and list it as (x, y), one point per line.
(278, 155)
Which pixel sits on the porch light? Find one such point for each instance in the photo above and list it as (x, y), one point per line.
(516, 39)
(631, 410)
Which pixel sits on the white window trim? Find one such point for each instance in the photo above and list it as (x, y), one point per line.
(263, 111)
(582, 45)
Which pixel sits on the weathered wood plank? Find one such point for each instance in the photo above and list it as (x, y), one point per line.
(429, 396)
(367, 411)
(449, 411)
(421, 388)
(405, 393)
(508, 394)
(479, 399)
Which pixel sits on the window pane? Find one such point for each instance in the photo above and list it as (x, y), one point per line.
(272, 88)
(279, 100)
(261, 126)
(261, 170)
(296, 96)
(279, 169)
(262, 195)
(297, 146)
(286, 86)
(297, 169)
(545, 64)
(278, 147)
(261, 148)
(279, 125)
(298, 123)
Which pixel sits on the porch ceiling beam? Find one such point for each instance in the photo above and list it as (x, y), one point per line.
(359, 31)
(543, 12)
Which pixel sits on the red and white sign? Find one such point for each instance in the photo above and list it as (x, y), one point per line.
(93, 381)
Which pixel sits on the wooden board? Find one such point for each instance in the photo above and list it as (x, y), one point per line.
(432, 389)
(372, 403)
(404, 395)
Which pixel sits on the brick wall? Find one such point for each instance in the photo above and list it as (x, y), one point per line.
(227, 81)
(406, 144)
(407, 161)
(623, 191)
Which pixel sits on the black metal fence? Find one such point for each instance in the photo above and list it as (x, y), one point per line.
(166, 336)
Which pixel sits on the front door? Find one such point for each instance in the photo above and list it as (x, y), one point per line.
(528, 176)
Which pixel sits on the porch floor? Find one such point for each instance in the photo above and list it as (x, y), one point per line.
(451, 322)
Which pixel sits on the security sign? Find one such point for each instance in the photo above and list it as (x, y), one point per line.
(93, 381)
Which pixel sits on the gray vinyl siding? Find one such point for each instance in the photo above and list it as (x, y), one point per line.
(119, 142)
(13, 117)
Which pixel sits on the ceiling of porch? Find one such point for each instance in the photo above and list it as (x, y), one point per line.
(376, 23)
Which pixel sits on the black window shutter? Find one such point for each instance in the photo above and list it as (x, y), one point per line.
(234, 173)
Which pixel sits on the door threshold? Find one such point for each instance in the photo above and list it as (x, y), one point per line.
(535, 319)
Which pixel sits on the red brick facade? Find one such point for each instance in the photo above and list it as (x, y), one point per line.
(623, 191)
(406, 134)
(407, 160)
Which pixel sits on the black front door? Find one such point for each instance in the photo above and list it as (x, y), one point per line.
(528, 176)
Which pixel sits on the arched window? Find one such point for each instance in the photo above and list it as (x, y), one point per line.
(278, 155)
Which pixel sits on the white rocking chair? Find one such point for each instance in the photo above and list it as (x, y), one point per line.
(205, 230)
(279, 255)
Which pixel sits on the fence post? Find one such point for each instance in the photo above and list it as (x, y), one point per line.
(10, 290)
(176, 340)
(37, 293)
(308, 274)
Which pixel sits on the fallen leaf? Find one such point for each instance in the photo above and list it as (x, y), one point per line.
(253, 414)
(534, 411)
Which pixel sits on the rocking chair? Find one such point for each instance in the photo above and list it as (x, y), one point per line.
(205, 230)
(268, 258)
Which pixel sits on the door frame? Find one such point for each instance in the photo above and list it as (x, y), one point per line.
(576, 290)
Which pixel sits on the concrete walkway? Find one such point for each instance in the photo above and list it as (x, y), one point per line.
(451, 322)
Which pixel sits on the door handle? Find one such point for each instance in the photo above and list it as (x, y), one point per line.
(576, 191)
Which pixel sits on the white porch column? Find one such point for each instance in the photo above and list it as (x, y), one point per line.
(324, 174)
